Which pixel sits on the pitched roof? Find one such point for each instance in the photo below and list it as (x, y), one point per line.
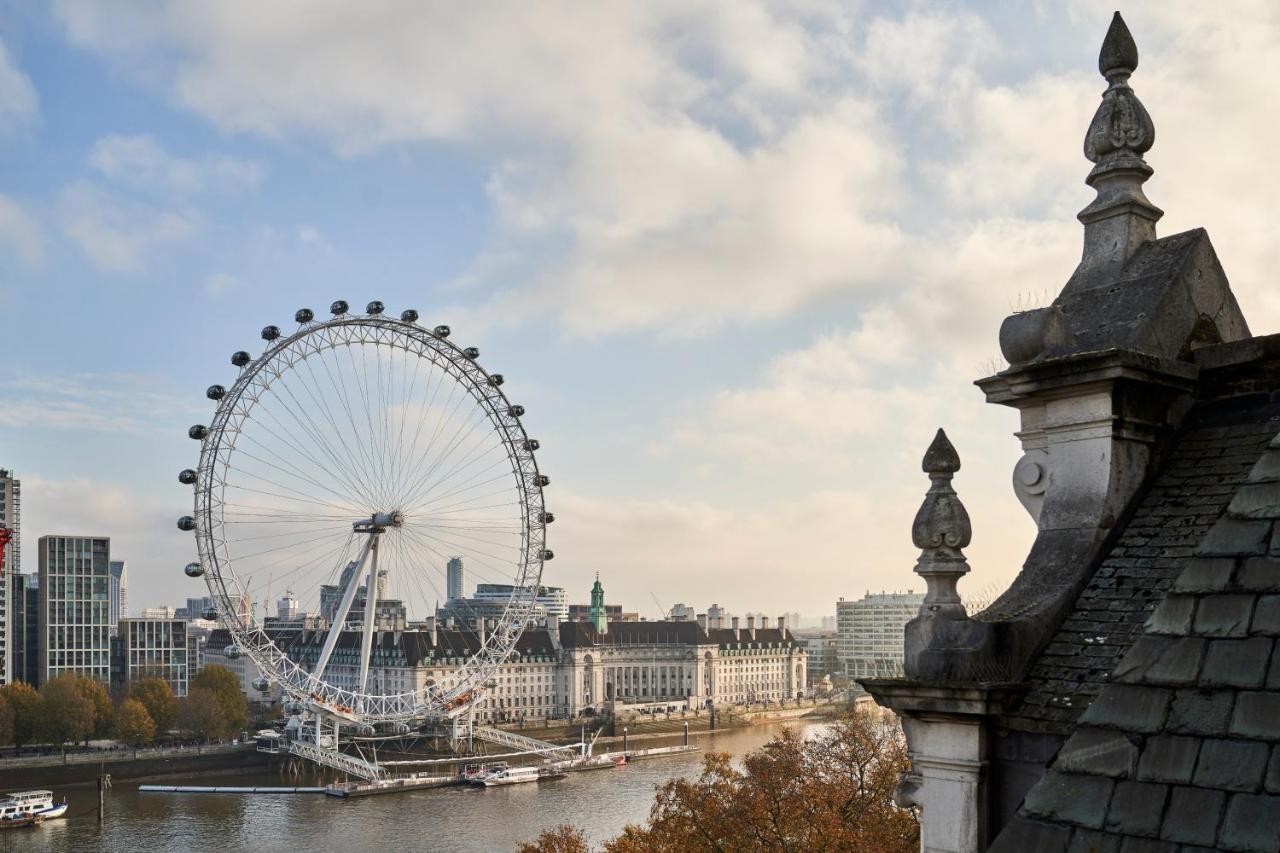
(1179, 747)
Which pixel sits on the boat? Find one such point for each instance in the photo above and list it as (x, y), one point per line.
(518, 775)
(29, 808)
(475, 774)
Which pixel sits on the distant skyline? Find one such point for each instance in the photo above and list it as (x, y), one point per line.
(738, 260)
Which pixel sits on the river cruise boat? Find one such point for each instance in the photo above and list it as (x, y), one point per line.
(518, 775)
(475, 774)
(27, 808)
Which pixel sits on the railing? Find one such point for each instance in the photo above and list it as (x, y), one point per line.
(336, 760)
(521, 742)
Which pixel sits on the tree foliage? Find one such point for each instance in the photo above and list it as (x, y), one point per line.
(157, 697)
(558, 839)
(103, 711)
(200, 714)
(6, 720)
(225, 686)
(133, 724)
(70, 714)
(28, 712)
(830, 792)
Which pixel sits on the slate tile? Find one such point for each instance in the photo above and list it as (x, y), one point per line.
(1236, 663)
(1173, 616)
(1023, 835)
(1257, 716)
(1128, 707)
(1231, 765)
(1071, 798)
(1098, 751)
(1268, 467)
(1205, 574)
(1169, 758)
(1255, 500)
(1147, 845)
(1266, 616)
(1193, 816)
(1235, 537)
(1250, 824)
(1202, 712)
(1259, 574)
(1136, 808)
(1089, 841)
(1272, 783)
(1224, 615)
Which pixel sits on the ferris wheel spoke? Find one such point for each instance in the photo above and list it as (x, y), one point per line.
(308, 497)
(447, 477)
(425, 482)
(375, 459)
(321, 400)
(242, 557)
(340, 469)
(469, 485)
(407, 389)
(295, 445)
(289, 469)
(448, 410)
(463, 506)
(341, 389)
(427, 408)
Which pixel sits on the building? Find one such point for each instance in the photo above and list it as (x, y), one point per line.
(196, 607)
(287, 608)
(119, 593)
(466, 611)
(551, 599)
(869, 632)
(159, 613)
(16, 641)
(822, 653)
(1123, 693)
(10, 564)
(613, 612)
(31, 642)
(717, 616)
(152, 648)
(74, 607)
(682, 613)
(454, 582)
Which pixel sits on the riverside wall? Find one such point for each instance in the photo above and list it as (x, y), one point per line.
(73, 768)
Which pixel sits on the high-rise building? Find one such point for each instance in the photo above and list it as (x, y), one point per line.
(454, 580)
(869, 632)
(197, 606)
(16, 625)
(119, 593)
(553, 599)
(682, 613)
(10, 517)
(31, 642)
(75, 607)
(287, 607)
(717, 616)
(153, 648)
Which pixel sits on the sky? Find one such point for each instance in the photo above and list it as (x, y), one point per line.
(739, 260)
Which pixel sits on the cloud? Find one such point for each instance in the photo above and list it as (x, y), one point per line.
(117, 233)
(22, 233)
(94, 402)
(141, 162)
(18, 101)
(219, 283)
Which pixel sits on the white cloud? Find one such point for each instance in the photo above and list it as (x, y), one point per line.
(21, 232)
(94, 402)
(219, 283)
(116, 233)
(141, 162)
(18, 101)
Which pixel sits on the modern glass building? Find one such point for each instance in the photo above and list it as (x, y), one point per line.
(10, 517)
(454, 580)
(119, 593)
(75, 607)
(154, 648)
(869, 633)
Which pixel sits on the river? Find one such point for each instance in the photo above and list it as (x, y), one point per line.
(447, 819)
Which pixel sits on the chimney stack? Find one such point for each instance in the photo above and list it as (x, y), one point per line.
(435, 635)
(782, 626)
(702, 621)
(751, 626)
(764, 622)
(480, 630)
(737, 632)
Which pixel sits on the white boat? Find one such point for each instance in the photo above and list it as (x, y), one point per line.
(28, 807)
(516, 775)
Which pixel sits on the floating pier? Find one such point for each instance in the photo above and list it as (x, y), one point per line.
(219, 789)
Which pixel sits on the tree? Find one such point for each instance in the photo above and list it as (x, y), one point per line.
(6, 720)
(200, 714)
(558, 839)
(832, 792)
(28, 712)
(157, 697)
(103, 711)
(225, 686)
(133, 724)
(69, 713)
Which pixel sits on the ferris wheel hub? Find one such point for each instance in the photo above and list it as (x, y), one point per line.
(379, 522)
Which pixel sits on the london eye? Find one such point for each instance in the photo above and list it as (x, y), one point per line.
(348, 462)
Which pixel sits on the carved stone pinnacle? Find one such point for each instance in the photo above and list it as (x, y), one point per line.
(940, 530)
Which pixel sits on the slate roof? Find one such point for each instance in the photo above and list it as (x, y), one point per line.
(1210, 460)
(408, 648)
(583, 634)
(1180, 748)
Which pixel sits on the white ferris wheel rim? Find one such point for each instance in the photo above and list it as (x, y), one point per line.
(218, 446)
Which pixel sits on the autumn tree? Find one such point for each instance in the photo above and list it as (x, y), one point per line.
(558, 839)
(200, 714)
(133, 724)
(103, 710)
(28, 712)
(157, 697)
(830, 792)
(69, 713)
(6, 720)
(225, 686)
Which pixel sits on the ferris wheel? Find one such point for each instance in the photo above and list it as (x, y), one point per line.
(350, 462)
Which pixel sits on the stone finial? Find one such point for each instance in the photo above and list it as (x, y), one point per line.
(1121, 218)
(941, 529)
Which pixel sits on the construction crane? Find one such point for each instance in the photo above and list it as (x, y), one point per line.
(666, 614)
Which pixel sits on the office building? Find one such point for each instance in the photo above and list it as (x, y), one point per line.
(287, 608)
(553, 600)
(158, 613)
(119, 592)
(75, 606)
(454, 579)
(153, 648)
(869, 632)
(11, 518)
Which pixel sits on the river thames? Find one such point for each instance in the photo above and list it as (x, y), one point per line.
(448, 819)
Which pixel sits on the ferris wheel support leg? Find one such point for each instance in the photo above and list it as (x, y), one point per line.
(370, 608)
(344, 607)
